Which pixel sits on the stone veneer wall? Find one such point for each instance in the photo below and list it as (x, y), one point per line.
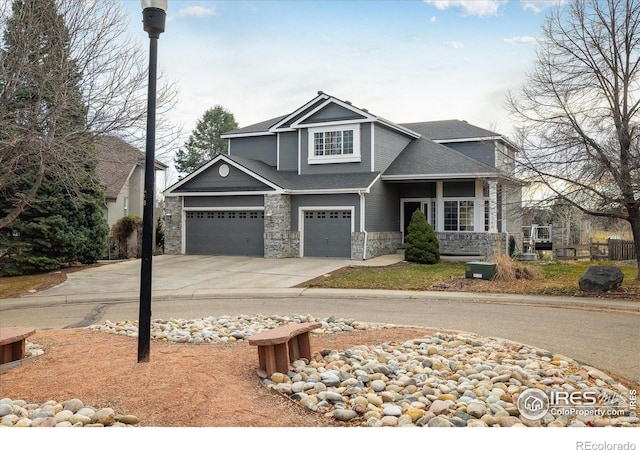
(357, 245)
(378, 243)
(383, 243)
(484, 245)
(279, 240)
(173, 227)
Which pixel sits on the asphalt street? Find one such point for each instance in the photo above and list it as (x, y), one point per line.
(597, 332)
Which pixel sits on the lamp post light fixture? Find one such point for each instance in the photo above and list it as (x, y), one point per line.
(153, 19)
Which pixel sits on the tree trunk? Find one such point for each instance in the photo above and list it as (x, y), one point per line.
(634, 220)
(24, 201)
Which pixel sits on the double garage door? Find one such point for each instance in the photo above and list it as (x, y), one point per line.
(327, 233)
(225, 233)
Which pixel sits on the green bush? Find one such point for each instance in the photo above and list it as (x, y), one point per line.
(421, 243)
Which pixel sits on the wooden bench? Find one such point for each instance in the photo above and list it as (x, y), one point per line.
(12, 343)
(280, 346)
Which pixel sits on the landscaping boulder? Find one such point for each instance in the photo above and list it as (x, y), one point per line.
(601, 278)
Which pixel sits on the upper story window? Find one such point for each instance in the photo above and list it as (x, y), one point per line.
(334, 144)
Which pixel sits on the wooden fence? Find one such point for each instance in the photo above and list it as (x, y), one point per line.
(612, 250)
(621, 250)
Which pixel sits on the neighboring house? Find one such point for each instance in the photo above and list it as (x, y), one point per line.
(334, 180)
(121, 173)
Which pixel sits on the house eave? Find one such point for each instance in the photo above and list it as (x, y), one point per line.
(221, 194)
(476, 139)
(171, 189)
(325, 191)
(400, 128)
(440, 176)
(239, 135)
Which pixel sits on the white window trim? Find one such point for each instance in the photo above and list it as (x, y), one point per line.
(332, 159)
(475, 212)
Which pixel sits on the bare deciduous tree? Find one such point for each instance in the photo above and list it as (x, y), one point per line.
(579, 110)
(37, 93)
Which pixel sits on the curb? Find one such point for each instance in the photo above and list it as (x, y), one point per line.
(204, 294)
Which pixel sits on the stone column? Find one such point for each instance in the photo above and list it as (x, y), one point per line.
(173, 226)
(279, 240)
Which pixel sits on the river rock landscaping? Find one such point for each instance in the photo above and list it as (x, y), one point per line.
(439, 380)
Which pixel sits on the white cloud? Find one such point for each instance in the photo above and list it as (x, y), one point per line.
(454, 44)
(538, 5)
(521, 40)
(197, 11)
(433, 19)
(469, 7)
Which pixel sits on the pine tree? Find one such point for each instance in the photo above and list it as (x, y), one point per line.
(205, 142)
(421, 244)
(44, 99)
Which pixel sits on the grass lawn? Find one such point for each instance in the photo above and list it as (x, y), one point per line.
(26, 284)
(560, 278)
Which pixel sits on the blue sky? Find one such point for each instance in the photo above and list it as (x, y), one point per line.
(407, 61)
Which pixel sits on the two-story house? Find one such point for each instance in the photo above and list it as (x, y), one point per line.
(334, 180)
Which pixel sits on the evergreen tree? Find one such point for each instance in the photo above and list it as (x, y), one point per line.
(45, 103)
(421, 244)
(205, 142)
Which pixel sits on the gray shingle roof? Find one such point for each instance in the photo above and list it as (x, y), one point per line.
(290, 180)
(449, 130)
(424, 157)
(260, 127)
(116, 160)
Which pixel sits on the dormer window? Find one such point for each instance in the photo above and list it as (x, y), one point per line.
(336, 144)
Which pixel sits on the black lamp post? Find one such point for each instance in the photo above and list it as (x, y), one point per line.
(153, 18)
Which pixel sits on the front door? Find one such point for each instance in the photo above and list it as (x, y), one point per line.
(428, 207)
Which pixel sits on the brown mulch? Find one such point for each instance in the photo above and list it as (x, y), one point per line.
(209, 385)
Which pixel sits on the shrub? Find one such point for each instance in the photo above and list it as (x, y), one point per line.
(422, 245)
(509, 270)
(122, 230)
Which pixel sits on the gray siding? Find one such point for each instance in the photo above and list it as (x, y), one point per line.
(288, 151)
(417, 190)
(304, 112)
(481, 151)
(332, 112)
(262, 148)
(382, 208)
(459, 188)
(363, 166)
(298, 201)
(388, 145)
(211, 181)
(224, 202)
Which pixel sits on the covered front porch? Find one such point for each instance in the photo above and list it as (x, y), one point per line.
(470, 216)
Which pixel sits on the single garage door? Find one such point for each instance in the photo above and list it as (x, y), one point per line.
(225, 233)
(327, 234)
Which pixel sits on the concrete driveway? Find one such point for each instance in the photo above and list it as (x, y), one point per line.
(186, 275)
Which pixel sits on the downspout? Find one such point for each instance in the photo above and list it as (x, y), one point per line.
(362, 228)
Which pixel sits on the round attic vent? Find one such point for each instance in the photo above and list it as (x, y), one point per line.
(223, 170)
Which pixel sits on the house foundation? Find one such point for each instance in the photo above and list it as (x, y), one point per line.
(478, 245)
